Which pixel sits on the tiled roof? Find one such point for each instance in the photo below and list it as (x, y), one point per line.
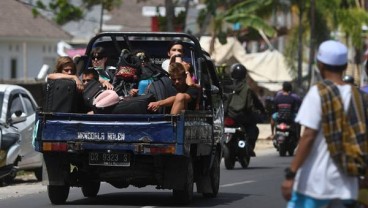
(129, 15)
(17, 20)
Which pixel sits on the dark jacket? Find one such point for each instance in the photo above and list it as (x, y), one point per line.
(244, 106)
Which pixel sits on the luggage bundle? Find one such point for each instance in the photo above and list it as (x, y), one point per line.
(108, 102)
(60, 95)
(148, 78)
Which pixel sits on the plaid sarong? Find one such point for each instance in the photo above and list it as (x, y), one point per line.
(345, 133)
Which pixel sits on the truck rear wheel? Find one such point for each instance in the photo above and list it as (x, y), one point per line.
(185, 195)
(91, 188)
(58, 194)
(214, 175)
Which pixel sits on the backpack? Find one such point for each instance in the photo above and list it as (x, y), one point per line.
(91, 89)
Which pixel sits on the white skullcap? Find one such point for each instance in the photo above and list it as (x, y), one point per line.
(333, 53)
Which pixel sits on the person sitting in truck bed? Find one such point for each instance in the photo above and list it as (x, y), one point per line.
(88, 75)
(99, 59)
(175, 52)
(186, 96)
(65, 69)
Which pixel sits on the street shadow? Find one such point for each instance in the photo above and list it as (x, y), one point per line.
(23, 179)
(250, 168)
(157, 199)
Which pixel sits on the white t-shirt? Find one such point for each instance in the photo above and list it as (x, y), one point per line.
(165, 65)
(319, 177)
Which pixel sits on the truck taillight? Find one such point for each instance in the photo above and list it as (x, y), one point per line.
(169, 149)
(55, 146)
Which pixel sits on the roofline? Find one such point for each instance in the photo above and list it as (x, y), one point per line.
(33, 39)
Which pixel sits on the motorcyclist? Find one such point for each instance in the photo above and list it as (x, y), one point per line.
(286, 106)
(244, 105)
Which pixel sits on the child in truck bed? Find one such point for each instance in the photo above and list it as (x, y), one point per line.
(186, 96)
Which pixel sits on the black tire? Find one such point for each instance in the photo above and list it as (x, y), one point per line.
(229, 159)
(38, 174)
(91, 188)
(9, 179)
(290, 149)
(185, 196)
(244, 160)
(282, 149)
(214, 175)
(292, 145)
(58, 194)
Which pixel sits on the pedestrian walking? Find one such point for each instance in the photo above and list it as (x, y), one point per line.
(332, 152)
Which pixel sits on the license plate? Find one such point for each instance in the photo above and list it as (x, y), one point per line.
(229, 130)
(109, 159)
(282, 133)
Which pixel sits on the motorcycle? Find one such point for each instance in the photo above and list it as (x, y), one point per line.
(285, 139)
(235, 145)
(9, 153)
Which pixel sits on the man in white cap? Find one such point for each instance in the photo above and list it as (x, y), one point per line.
(316, 177)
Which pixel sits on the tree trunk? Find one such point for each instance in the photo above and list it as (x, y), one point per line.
(169, 15)
(300, 43)
(312, 40)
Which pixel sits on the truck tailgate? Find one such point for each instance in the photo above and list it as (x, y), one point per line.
(108, 128)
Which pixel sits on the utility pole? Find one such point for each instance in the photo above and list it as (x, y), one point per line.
(300, 43)
(312, 40)
(101, 17)
(170, 14)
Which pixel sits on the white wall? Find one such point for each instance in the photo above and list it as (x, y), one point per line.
(29, 55)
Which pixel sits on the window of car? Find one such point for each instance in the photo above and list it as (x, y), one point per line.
(30, 108)
(15, 104)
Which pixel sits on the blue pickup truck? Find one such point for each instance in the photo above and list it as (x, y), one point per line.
(159, 149)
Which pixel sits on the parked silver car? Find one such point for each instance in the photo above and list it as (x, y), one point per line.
(14, 98)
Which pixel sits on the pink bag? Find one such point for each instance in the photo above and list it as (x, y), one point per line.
(106, 99)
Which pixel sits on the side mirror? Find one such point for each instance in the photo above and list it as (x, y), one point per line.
(17, 116)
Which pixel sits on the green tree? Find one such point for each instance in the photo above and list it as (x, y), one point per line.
(330, 17)
(65, 11)
(222, 14)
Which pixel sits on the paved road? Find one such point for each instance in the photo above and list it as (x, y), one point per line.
(258, 186)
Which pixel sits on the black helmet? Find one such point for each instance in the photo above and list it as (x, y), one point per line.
(348, 79)
(238, 71)
(287, 87)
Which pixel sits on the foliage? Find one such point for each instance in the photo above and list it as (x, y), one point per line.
(344, 16)
(331, 17)
(246, 13)
(107, 4)
(65, 11)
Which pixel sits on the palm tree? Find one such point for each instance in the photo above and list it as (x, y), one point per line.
(331, 18)
(247, 13)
